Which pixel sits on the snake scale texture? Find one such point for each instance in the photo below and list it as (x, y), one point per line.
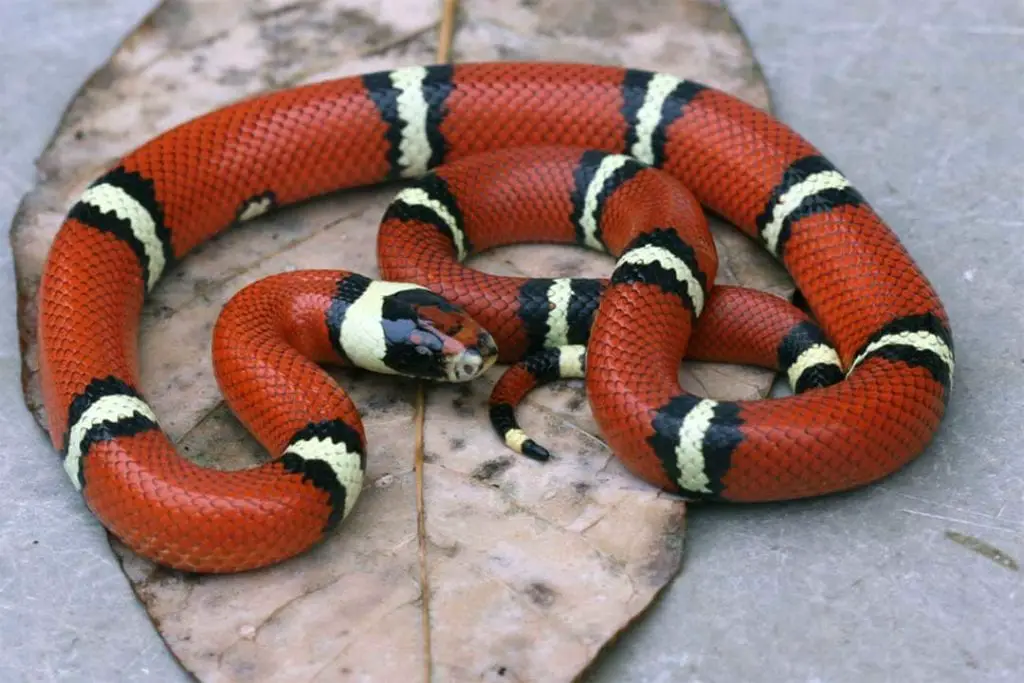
(633, 156)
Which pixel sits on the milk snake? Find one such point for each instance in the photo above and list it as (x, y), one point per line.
(176, 191)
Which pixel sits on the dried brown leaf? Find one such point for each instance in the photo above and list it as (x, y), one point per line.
(533, 568)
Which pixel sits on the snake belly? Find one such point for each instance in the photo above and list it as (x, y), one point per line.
(193, 181)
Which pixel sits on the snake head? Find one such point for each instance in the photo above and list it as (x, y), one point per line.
(429, 337)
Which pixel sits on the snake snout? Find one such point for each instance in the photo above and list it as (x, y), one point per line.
(474, 361)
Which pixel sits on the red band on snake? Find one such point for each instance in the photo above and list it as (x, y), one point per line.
(185, 186)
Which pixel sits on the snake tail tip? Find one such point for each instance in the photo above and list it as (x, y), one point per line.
(535, 451)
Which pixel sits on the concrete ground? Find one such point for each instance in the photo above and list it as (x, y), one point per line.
(922, 105)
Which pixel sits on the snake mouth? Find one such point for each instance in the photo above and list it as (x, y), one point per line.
(473, 362)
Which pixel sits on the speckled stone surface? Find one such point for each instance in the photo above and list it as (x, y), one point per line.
(920, 104)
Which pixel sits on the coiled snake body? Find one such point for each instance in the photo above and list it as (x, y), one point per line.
(871, 301)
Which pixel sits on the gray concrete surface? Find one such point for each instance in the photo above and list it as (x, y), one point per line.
(921, 104)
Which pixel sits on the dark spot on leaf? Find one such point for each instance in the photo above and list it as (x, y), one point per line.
(380, 402)
(162, 312)
(576, 402)
(463, 403)
(540, 594)
(491, 468)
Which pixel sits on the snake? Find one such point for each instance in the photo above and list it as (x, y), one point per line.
(160, 201)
